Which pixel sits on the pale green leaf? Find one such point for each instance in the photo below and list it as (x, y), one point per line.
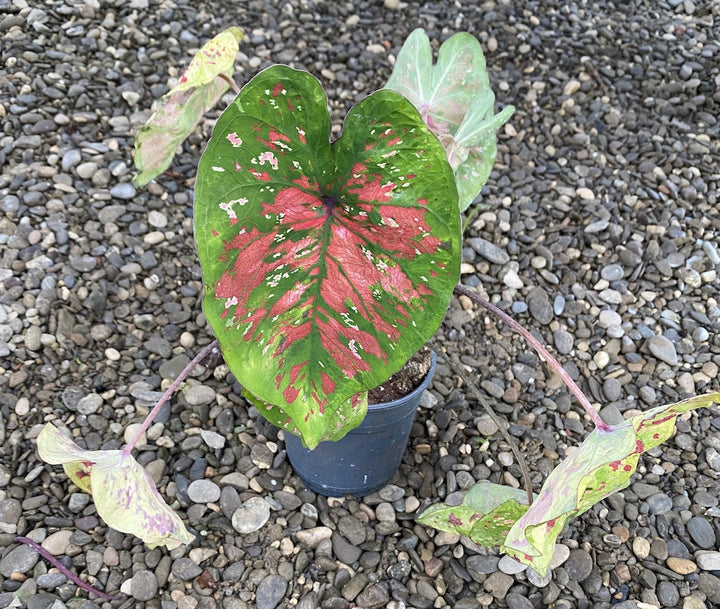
(125, 496)
(455, 100)
(601, 465)
(177, 113)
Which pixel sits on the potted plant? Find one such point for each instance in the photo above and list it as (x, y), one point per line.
(327, 265)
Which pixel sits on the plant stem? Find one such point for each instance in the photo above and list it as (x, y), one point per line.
(63, 569)
(231, 82)
(127, 449)
(498, 422)
(600, 425)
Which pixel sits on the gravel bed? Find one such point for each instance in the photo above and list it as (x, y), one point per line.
(600, 231)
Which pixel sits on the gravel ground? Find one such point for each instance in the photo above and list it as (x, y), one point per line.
(601, 233)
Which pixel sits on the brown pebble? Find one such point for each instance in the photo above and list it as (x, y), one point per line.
(622, 532)
(511, 395)
(433, 566)
(683, 566)
(623, 572)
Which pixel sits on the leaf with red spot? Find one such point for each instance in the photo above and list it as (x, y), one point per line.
(177, 113)
(601, 465)
(486, 514)
(455, 100)
(326, 265)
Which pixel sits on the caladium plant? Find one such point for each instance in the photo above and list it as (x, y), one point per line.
(455, 100)
(326, 264)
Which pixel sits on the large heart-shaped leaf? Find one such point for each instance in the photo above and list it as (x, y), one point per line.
(326, 265)
(455, 100)
(125, 496)
(602, 464)
(178, 111)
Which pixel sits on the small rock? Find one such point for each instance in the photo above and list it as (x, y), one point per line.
(510, 566)
(662, 348)
(578, 565)
(312, 537)
(125, 190)
(701, 532)
(586, 194)
(251, 516)
(489, 251)
(498, 584)
(185, 569)
(571, 87)
(56, 543)
(708, 561)
(682, 566)
(20, 559)
(375, 596)
(641, 548)
(270, 592)
(144, 586)
(518, 601)
(203, 491)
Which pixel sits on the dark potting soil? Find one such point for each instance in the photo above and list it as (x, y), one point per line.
(404, 381)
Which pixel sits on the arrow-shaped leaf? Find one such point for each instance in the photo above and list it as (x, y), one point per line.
(125, 496)
(178, 112)
(455, 100)
(326, 265)
(601, 465)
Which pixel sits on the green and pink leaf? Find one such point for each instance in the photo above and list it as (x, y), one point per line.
(602, 464)
(326, 264)
(177, 113)
(125, 496)
(455, 100)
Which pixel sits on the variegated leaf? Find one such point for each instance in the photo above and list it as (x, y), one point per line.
(455, 100)
(177, 113)
(327, 265)
(125, 495)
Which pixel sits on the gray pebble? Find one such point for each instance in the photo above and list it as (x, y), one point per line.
(659, 503)
(270, 592)
(612, 272)
(185, 569)
(489, 251)
(90, 404)
(144, 586)
(701, 532)
(251, 516)
(708, 561)
(563, 341)
(203, 491)
(578, 565)
(667, 594)
(612, 389)
(663, 349)
(20, 559)
(518, 601)
(70, 159)
(124, 190)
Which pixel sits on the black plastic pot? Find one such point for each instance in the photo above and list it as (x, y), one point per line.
(367, 457)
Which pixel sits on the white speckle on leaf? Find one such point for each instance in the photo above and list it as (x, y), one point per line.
(218, 169)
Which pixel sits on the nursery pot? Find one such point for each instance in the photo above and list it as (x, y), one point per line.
(367, 457)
